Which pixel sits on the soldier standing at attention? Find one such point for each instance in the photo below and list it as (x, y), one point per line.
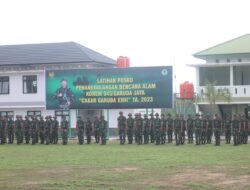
(139, 128)
(27, 126)
(152, 128)
(203, 129)
(190, 129)
(170, 127)
(227, 127)
(236, 129)
(146, 133)
(88, 130)
(121, 120)
(177, 129)
(157, 124)
(97, 129)
(103, 130)
(217, 129)
(3, 130)
(41, 130)
(18, 129)
(80, 130)
(55, 130)
(183, 130)
(209, 129)
(130, 128)
(65, 128)
(245, 133)
(197, 125)
(242, 127)
(163, 129)
(34, 129)
(11, 127)
(47, 128)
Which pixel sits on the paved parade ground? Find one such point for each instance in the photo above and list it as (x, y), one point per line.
(117, 166)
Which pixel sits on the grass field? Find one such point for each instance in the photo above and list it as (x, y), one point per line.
(124, 167)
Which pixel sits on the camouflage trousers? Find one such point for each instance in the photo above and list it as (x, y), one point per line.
(130, 135)
(228, 136)
(81, 136)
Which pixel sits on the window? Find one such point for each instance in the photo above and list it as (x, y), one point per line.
(4, 85)
(34, 113)
(61, 113)
(30, 84)
(220, 75)
(6, 113)
(217, 60)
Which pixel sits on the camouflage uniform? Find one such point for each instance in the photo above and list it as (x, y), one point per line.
(217, 130)
(3, 130)
(88, 130)
(163, 129)
(47, 130)
(34, 130)
(103, 130)
(183, 130)
(41, 130)
(122, 128)
(157, 124)
(65, 128)
(19, 130)
(170, 126)
(97, 130)
(209, 129)
(227, 127)
(54, 128)
(80, 130)
(197, 125)
(245, 134)
(139, 128)
(236, 130)
(177, 129)
(203, 129)
(11, 126)
(190, 129)
(152, 128)
(130, 128)
(27, 126)
(146, 132)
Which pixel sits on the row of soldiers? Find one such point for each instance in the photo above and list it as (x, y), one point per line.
(33, 129)
(156, 129)
(100, 130)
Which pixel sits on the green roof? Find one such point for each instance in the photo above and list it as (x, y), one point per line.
(240, 45)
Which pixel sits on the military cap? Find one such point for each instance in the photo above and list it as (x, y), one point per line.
(156, 114)
(120, 112)
(139, 114)
(129, 114)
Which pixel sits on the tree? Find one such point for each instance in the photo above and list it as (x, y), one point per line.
(213, 95)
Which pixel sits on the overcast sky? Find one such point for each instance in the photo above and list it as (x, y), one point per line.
(149, 32)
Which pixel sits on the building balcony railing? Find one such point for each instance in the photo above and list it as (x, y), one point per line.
(236, 91)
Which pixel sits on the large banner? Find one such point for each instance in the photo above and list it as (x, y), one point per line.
(109, 88)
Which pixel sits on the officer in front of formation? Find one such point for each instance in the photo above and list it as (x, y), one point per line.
(209, 129)
(152, 128)
(197, 126)
(11, 127)
(163, 129)
(170, 127)
(139, 128)
(177, 129)
(121, 120)
(217, 129)
(227, 128)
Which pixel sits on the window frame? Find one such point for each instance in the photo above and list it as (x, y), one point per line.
(25, 79)
(34, 113)
(1, 84)
(7, 113)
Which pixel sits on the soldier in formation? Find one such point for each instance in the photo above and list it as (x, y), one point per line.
(121, 120)
(80, 130)
(103, 130)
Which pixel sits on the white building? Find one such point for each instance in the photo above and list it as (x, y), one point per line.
(229, 65)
